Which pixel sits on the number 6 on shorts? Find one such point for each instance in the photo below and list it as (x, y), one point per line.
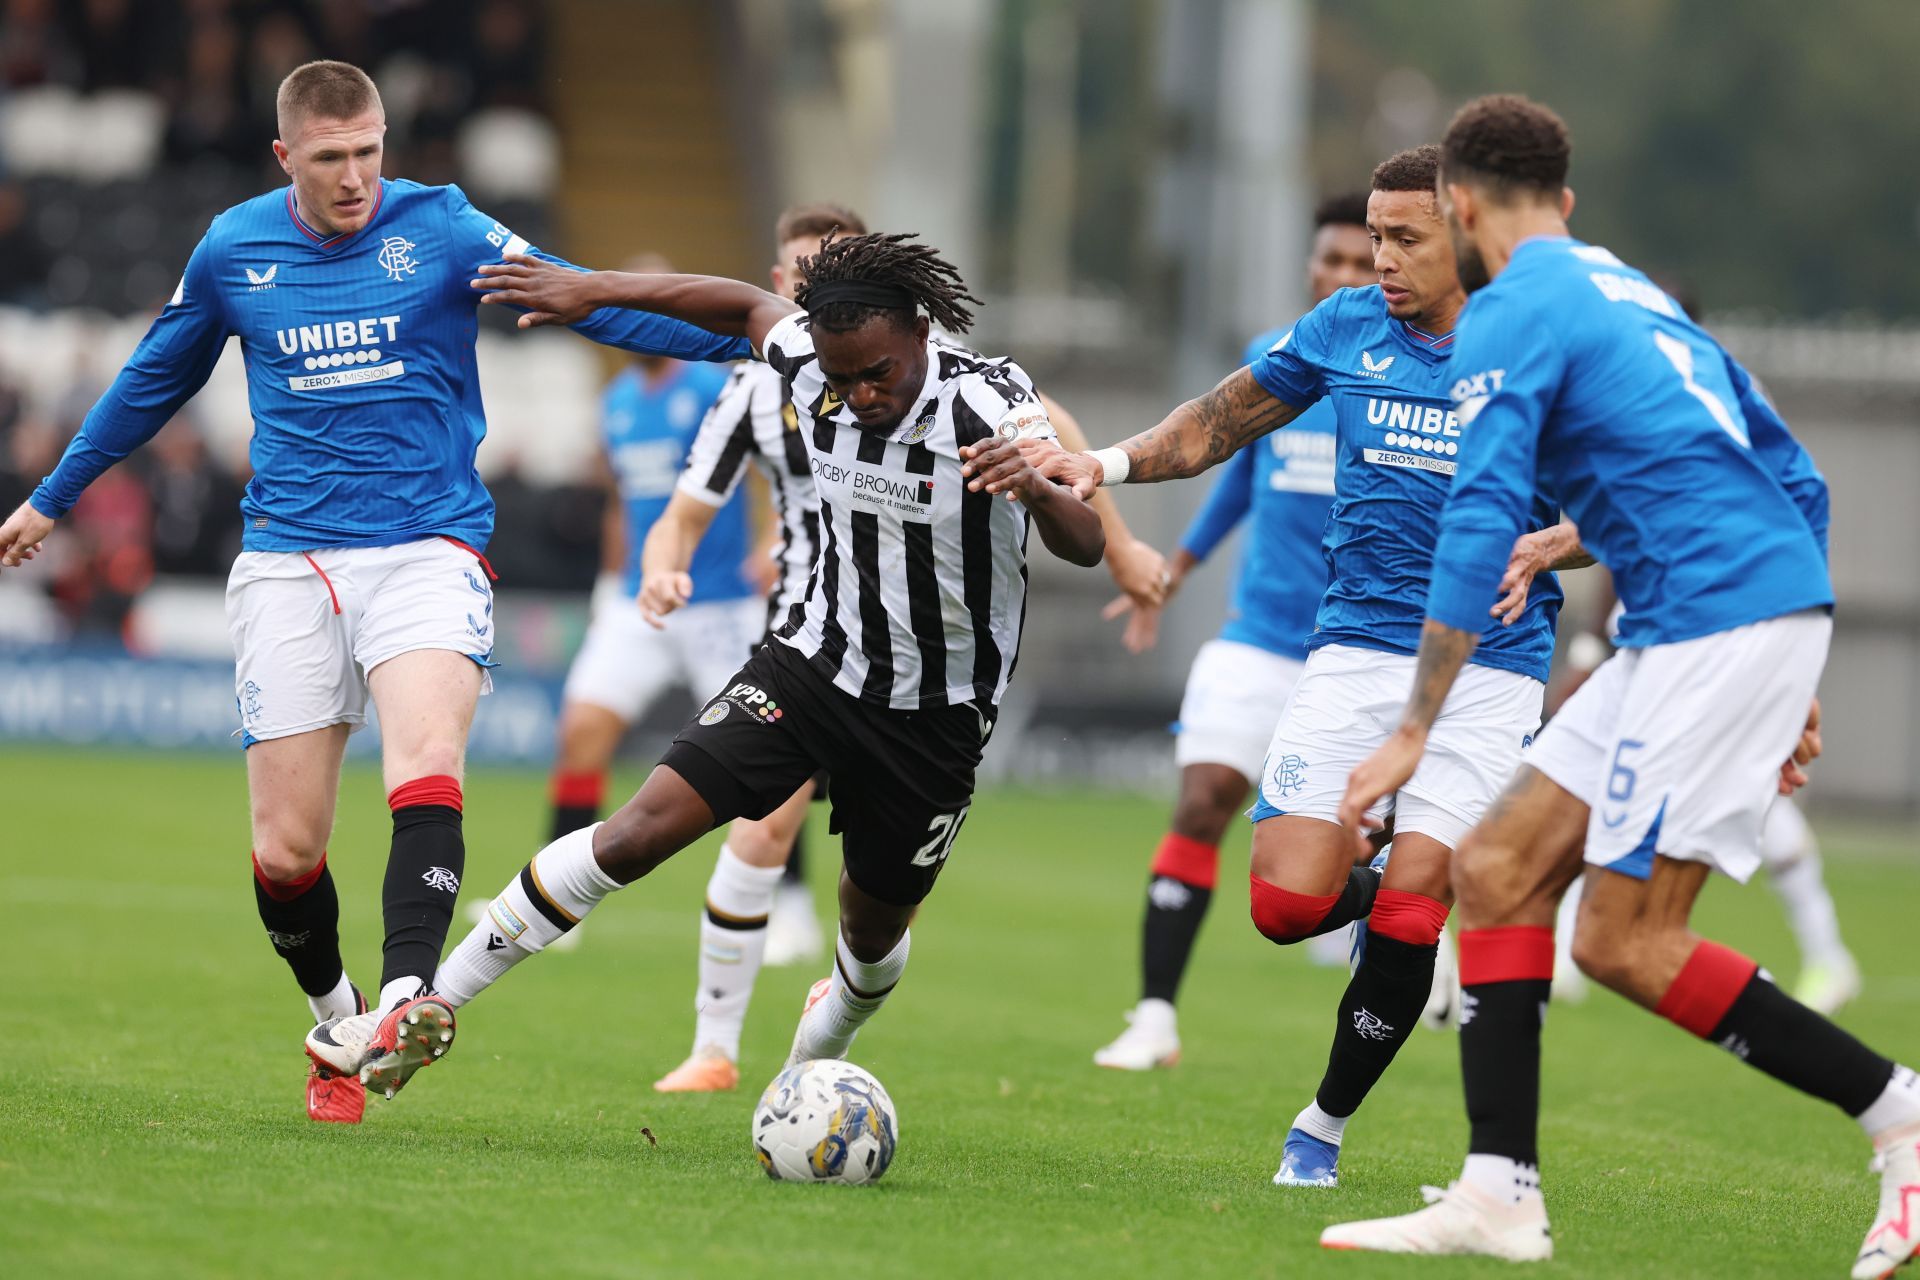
(944, 828)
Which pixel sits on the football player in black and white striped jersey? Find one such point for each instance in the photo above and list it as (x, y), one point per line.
(889, 673)
(755, 425)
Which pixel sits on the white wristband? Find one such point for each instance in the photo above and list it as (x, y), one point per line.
(1115, 465)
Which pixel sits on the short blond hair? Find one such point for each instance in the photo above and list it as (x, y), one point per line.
(331, 90)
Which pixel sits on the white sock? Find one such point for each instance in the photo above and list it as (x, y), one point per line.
(1507, 1181)
(733, 941)
(399, 991)
(1792, 858)
(337, 1003)
(1897, 1106)
(551, 894)
(1154, 1016)
(1317, 1123)
(828, 1029)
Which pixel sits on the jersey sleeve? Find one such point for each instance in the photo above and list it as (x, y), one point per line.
(171, 363)
(722, 446)
(1774, 444)
(1226, 506)
(788, 345)
(480, 239)
(1291, 369)
(1003, 394)
(1511, 369)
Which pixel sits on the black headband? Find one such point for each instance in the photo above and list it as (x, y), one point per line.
(865, 293)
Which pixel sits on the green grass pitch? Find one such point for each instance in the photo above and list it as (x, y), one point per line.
(151, 1120)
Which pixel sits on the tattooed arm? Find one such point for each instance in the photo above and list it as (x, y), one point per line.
(1443, 651)
(1199, 434)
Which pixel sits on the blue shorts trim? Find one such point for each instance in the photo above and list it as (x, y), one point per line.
(1639, 862)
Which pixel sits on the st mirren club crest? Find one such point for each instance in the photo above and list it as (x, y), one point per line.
(396, 257)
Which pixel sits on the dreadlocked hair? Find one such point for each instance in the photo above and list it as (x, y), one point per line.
(896, 260)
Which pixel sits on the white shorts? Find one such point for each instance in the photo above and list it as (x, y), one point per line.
(625, 662)
(1235, 694)
(1677, 748)
(1349, 701)
(307, 626)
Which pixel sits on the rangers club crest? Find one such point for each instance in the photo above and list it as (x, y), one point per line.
(396, 257)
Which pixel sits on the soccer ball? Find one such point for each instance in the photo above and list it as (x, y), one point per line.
(824, 1121)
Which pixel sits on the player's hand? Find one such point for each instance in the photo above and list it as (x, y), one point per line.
(1793, 774)
(1080, 472)
(22, 534)
(763, 570)
(662, 593)
(1143, 624)
(1140, 572)
(550, 293)
(1377, 777)
(1001, 466)
(1533, 554)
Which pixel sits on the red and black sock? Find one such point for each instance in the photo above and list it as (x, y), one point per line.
(1286, 917)
(1184, 873)
(576, 801)
(1722, 996)
(302, 918)
(1505, 977)
(1384, 997)
(424, 867)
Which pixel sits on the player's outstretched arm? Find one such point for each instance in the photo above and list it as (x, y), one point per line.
(665, 584)
(1138, 569)
(1552, 549)
(1199, 434)
(22, 534)
(1068, 526)
(1443, 651)
(554, 294)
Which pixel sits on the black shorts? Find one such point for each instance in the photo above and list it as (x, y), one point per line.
(901, 780)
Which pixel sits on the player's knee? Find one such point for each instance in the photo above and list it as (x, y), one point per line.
(640, 836)
(281, 861)
(1207, 804)
(1483, 885)
(759, 844)
(1283, 916)
(1603, 955)
(873, 937)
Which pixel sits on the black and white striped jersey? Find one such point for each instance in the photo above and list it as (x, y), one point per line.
(920, 589)
(753, 421)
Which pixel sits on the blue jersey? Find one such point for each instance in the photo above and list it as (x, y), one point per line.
(1577, 374)
(1399, 446)
(648, 429)
(1284, 482)
(359, 351)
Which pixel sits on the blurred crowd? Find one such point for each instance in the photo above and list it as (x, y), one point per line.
(126, 124)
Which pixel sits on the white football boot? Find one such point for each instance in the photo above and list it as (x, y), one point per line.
(1826, 988)
(1152, 1039)
(793, 930)
(1895, 1235)
(1460, 1219)
(343, 1045)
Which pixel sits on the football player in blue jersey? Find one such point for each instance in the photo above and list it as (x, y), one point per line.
(1380, 356)
(1578, 374)
(362, 571)
(1239, 683)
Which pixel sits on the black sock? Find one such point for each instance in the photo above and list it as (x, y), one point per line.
(1382, 1002)
(569, 818)
(1500, 1066)
(1174, 912)
(1355, 902)
(304, 929)
(424, 868)
(796, 871)
(1769, 1029)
